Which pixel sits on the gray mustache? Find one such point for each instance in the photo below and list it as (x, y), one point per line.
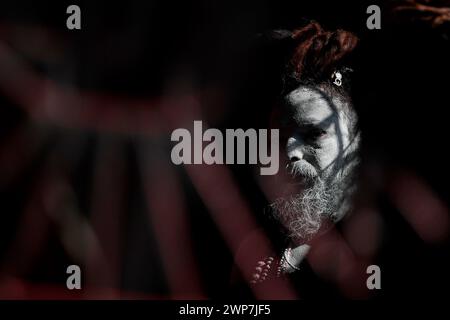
(303, 169)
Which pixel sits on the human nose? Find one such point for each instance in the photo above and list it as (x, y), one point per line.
(294, 149)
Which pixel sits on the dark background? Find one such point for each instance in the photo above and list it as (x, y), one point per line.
(159, 51)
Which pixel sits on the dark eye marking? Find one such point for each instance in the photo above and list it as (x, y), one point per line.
(312, 133)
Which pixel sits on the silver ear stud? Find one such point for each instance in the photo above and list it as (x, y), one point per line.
(337, 76)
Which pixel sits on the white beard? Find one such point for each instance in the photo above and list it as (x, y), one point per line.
(302, 214)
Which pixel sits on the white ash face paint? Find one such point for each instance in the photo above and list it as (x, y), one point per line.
(319, 140)
(319, 125)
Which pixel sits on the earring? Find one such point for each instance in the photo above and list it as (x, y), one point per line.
(337, 76)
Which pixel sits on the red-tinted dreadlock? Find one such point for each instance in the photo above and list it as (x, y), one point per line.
(318, 51)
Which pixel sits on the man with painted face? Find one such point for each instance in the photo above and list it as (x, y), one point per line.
(319, 139)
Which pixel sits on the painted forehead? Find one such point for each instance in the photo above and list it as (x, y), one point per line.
(310, 105)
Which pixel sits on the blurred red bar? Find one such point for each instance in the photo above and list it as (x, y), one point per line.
(168, 216)
(17, 289)
(107, 205)
(425, 212)
(234, 219)
(31, 235)
(332, 258)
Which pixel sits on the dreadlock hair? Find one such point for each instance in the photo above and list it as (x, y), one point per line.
(316, 54)
(313, 55)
